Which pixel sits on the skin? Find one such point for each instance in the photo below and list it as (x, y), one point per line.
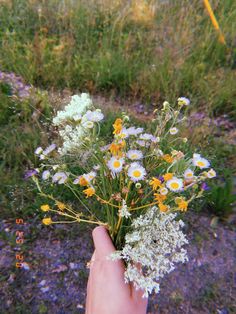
(107, 291)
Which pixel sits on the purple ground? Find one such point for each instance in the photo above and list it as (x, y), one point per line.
(56, 280)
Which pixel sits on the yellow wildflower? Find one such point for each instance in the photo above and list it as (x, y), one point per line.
(168, 176)
(60, 205)
(83, 181)
(89, 192)
(183, 205)
(155, 183)
(159, 198)
(47, 221)
(45, 208)
(168, 158)
(117, 126)
(162, 207)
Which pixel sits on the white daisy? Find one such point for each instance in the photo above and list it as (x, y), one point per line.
(183, 101)
(163, 191)
(49, 149)
(123, 133)
(59, 177)
(142, 143)
(201, 162)
(188, 174)
(88, 124)
(134, 131)
(211, 174)
(175, 184)
(46, 174)
(134, 154)
(38, 150)
(146, 137)
(174, 131)
(136, 172)
(90, 176)
(115, 164)
(94, 116)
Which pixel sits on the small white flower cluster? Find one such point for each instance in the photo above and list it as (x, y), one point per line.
(156, 243)
(74, 122)
(74, 110)
(124, 212)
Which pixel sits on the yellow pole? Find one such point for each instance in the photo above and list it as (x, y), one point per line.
(214, 21)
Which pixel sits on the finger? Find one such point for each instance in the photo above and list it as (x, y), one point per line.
(89, 285)
(102, 242)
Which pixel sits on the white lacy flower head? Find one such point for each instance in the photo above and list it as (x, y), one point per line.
(124, 212)
(156, 243)
(74, 109)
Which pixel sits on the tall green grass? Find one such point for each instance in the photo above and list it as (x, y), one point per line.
(151, 50)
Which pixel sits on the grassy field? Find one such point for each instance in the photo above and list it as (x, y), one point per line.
(147, 50)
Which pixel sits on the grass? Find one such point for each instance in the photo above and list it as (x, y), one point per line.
(140, 49)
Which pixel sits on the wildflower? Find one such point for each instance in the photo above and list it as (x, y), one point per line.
(61, 205)
(138, 185)
(30, 173)
(201, 162)
(173, 131)
(205, 186)
(49, 149)
(94, 116)
(188, 174)
(155, 183)
(183, 205)
(117, 126)
(88, 124)
(162, 207)
(183, 101)
(123, 133)
(89, 192)
(134, 131)
(45, 208)
(115, 164)
(38, 150)
(123, 211)
(159, 197)
(46, 174)
(211, 174)
(168, 158)
(136, 172)
(76, 107)
(142, 143)
(175, 184)
(59, 177)
(116, 149)
(82, 181)
(134, 154)
(168, 176)
(156, 242)
(146, 137)
(47, 221)
(163, 191)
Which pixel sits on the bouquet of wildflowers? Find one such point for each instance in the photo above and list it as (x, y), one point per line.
(138, 179)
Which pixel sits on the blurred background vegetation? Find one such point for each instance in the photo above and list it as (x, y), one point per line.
(145, 51)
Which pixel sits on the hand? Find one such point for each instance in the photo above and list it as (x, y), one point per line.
(107, 292)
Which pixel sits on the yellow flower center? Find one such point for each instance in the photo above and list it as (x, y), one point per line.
(136, 173)
(200, 163)
(174, 185)
(189, 175)
(116, 164)
(133, 156)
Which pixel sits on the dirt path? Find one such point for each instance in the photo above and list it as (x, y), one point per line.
(56, 279)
